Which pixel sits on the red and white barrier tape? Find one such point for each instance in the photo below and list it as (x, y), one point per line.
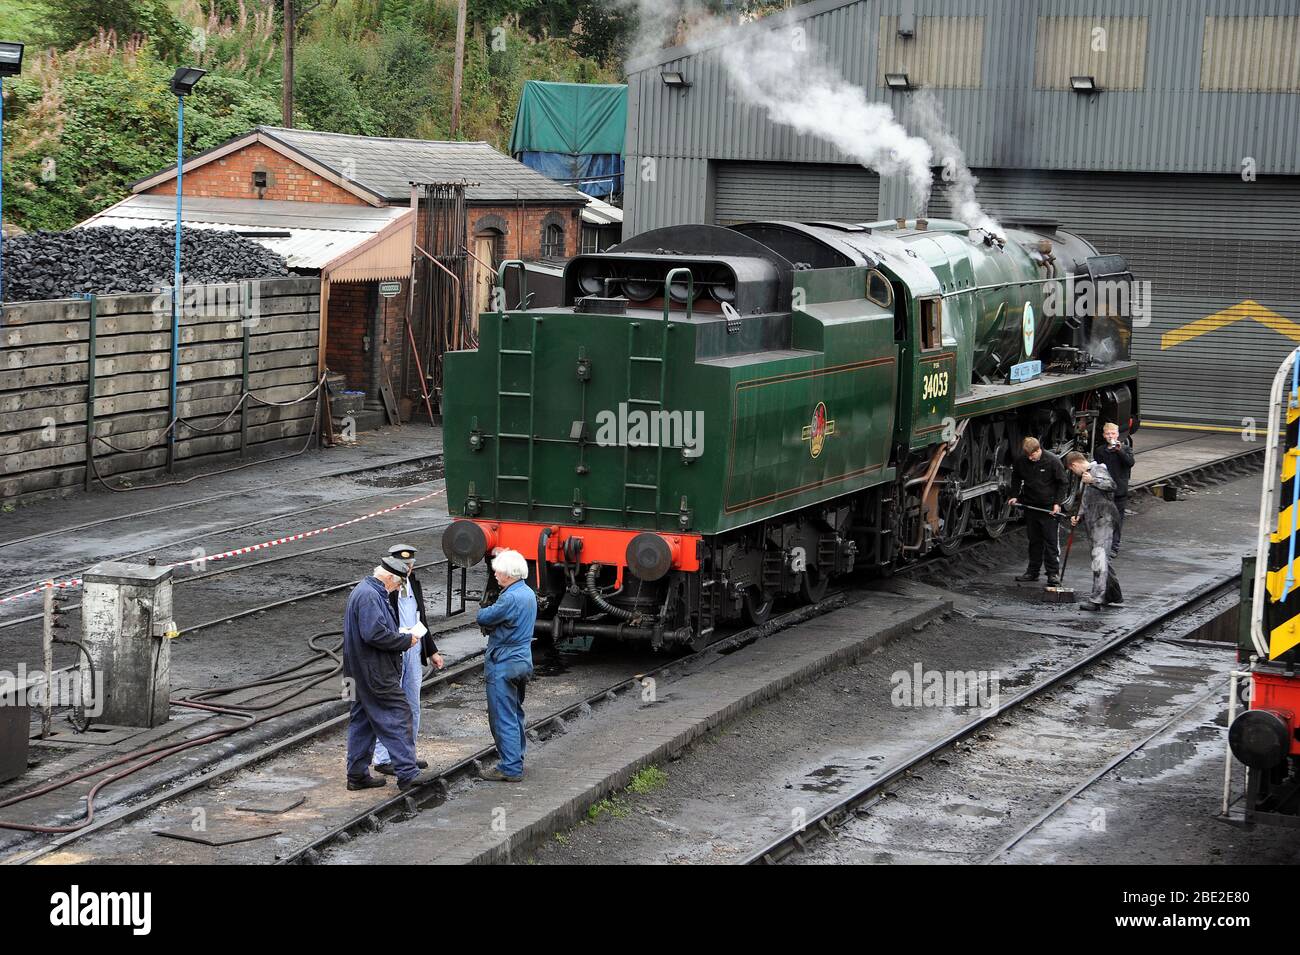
(237, 552)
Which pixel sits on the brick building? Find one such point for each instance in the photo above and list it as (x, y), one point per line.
(359, 234)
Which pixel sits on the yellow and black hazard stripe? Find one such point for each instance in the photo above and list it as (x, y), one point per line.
(1282, 615)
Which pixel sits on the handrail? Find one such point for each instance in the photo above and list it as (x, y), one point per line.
(1269, 500)
(690, 290)
(523, 282)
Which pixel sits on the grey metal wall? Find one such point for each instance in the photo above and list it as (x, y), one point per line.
(1207, 244)
(1194, 111)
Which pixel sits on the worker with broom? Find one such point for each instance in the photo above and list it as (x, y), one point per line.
(1099, 517)
(1040, 486)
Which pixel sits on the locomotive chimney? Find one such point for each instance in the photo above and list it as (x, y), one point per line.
(902, 223)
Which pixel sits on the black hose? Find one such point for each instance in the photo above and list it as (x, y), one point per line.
(541, 556)
(604, 604)
(80, 722)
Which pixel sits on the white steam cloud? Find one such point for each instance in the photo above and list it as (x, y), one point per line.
(927, 112)
(776, 71)
(781, 72)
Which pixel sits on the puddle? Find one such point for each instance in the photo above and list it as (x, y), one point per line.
(975, 812)
(830, 779)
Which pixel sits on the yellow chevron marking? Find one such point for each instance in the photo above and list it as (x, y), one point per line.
(1283, 638)
(1275, 580)
(1234, 313)
(1284, 526)
(1288, 464)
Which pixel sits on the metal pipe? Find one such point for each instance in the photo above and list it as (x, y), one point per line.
(90, 394)
(1234, 676)
(176, 285)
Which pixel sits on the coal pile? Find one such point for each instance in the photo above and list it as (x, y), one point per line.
(103, 260)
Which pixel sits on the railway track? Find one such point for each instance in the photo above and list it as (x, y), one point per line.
(827, 820)
(197, 502)
(400, 805)
(230, 529)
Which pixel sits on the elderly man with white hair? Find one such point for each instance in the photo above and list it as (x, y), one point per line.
(508, 663)
(373, 647)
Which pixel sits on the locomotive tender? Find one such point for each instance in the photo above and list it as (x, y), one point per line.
(720, 417)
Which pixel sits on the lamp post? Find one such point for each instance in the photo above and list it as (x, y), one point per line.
(182, 84)
(11, 64)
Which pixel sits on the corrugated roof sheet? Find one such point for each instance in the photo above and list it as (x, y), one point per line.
(388, 166)
(601, 213)
(319, 232)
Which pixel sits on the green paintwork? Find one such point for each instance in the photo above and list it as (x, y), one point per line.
(546, 389)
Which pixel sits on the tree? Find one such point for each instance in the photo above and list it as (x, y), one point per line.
(74, 21)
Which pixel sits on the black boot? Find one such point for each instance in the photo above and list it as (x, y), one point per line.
(366, 782)
(1028, 577)
(420, 779)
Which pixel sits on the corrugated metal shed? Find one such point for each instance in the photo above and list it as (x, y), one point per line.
(319, 232)
(1181, 116)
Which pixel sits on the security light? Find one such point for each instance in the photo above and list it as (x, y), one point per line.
(673, 78)
(11, 59)
(1084, 84)
(898, 81)
(184, 78)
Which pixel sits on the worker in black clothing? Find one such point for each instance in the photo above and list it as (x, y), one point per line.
(1040, 483)
(1117, 455)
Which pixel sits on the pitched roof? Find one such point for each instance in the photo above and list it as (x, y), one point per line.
(379, 169)
(310, 235)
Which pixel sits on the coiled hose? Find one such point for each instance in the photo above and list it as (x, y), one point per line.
(602, 603)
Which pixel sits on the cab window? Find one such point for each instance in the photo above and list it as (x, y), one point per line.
(878, 289)
(931, 324)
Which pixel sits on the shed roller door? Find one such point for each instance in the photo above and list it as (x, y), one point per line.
(744, 191)
(1207, 244)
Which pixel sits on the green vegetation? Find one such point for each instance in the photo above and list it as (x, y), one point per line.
(647, 780)
(91, 113)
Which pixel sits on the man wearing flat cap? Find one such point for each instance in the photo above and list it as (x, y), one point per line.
(374, 645)
(408, 605)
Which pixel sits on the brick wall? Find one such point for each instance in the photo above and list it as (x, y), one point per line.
(529, 221)
(231, 177)
(350, 312)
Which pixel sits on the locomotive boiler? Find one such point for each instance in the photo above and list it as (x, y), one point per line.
(720, 418)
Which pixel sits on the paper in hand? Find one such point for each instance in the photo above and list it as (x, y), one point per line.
(418, 630)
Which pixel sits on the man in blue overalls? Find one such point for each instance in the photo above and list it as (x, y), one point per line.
(372, 669)
(408, 604)
(508, 663)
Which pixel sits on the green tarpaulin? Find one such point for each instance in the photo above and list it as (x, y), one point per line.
(573, 118)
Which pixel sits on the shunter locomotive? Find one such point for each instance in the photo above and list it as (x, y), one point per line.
(720, 418)
(1265, 738)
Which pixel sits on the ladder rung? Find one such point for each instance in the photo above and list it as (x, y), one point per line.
(512, 477)
(514, 394)
(645, 401)
(642, 487)
(514, 351)
(506, 434)
(656, 361)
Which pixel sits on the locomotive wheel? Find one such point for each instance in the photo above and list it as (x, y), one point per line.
(813, 584)
(956, 513)
(995, 452)
(756, 606)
